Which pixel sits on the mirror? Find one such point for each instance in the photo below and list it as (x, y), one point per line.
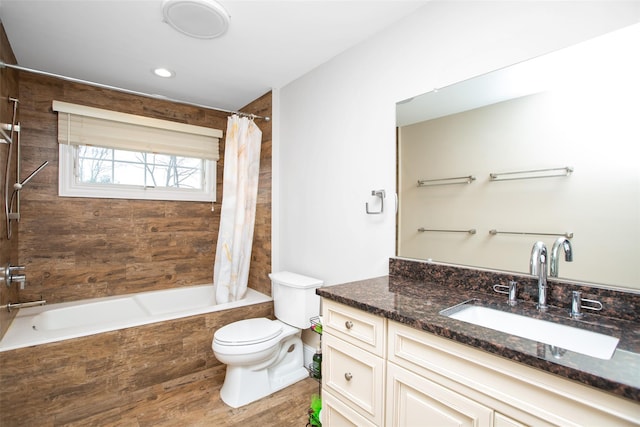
(538, 150)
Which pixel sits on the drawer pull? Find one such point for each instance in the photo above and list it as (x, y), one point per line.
(348, 376)
(348, 324)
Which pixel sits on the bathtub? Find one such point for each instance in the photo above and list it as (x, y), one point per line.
(57, 322)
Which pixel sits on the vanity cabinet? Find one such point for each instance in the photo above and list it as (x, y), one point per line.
(353, 370)
(424, 382)
(378, 372)
(473, 387)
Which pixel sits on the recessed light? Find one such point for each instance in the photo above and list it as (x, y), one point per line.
(163, 72)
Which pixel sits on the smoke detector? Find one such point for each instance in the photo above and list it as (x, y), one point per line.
(201, 19)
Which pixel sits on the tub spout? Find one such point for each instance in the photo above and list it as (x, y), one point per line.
(11, 306)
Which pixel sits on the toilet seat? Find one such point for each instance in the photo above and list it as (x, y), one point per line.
(248, 332)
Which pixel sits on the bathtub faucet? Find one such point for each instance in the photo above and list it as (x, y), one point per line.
(13, 274)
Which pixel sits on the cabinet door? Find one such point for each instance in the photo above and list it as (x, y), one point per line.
(336, 414)
(355, 375)
(504, 421)
(413, 400)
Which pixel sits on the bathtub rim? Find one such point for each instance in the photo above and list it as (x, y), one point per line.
(20, 333)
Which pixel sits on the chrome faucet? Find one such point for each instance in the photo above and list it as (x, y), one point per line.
(568, 254)
(538, 267)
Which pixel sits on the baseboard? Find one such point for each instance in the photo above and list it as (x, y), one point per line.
(308, 353)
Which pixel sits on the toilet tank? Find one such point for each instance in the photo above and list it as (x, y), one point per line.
(294, 298)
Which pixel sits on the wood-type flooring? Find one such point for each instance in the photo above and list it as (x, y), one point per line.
(197, 404)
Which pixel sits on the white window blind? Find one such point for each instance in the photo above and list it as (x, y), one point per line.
(81, 125)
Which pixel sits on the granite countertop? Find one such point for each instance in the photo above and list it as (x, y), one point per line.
(417, 303)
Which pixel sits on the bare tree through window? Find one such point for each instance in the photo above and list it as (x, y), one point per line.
(94, 164)
(110, 166)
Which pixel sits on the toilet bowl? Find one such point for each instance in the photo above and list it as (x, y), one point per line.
(264, 355)
(263, 364)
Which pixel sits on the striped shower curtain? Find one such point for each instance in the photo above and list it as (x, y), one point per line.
(238, 212)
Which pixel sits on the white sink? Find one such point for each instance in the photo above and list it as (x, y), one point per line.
(569, 338)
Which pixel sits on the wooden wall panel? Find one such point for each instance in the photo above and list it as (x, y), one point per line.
(261, 252)
(76, 248)
(76, 380)
(8, 248)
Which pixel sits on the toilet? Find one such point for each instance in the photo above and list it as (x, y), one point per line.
(264, 355)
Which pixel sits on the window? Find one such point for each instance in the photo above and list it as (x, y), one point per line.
(116, 155)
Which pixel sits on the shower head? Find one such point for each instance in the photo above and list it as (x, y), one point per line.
(18, 185)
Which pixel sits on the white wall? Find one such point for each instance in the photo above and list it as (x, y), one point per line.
(334, 136)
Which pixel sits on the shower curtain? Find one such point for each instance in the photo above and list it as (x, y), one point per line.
(238, 212)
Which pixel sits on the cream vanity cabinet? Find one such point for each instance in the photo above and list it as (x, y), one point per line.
(378, 372)
(353, 366)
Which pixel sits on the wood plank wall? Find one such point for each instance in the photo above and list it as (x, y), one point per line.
(82, 248)
(261, 254)
(96, 380)
(8, 248)
(77, 248)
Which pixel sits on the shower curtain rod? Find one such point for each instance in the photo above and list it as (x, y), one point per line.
(131, 92)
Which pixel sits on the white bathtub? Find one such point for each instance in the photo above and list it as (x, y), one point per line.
(56, 322)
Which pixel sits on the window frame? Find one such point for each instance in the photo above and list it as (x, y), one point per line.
(69, 185)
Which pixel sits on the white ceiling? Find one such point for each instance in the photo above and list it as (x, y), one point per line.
(118, 43)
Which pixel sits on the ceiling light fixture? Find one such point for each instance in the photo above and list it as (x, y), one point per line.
(163, 72)
(202, 19)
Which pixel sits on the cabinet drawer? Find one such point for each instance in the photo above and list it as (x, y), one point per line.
(336, 414)
(355, 375)
(357, 327)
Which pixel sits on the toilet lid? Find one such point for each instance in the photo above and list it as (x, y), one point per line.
(248, 331)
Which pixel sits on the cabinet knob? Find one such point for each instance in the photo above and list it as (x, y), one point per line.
(348, 324)
(348, 376)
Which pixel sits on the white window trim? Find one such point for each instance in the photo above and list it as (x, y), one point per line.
(69, 186)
